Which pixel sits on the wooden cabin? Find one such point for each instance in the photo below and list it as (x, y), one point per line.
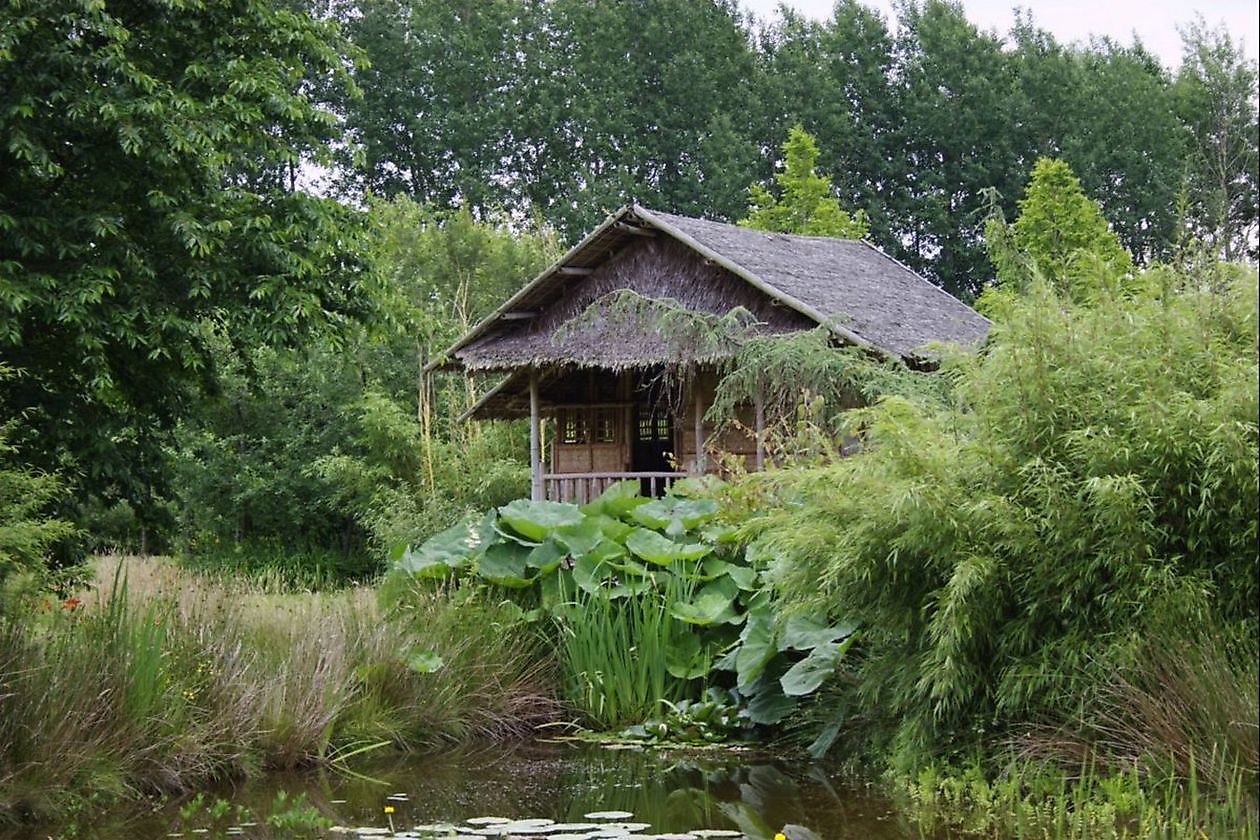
(601, 409)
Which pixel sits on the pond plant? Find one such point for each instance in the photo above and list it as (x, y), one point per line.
(653, 601)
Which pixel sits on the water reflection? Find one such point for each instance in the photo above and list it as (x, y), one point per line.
(674, 792)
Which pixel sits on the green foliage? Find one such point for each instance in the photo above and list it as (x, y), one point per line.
(345, 446)
(146, 188)
(27, 530)
(652, 597)
(1100, 460)
(1060, 233)
(806, 203)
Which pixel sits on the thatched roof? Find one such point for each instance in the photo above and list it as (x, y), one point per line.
(787, 282)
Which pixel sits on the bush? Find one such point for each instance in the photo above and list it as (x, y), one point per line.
(1101, 460)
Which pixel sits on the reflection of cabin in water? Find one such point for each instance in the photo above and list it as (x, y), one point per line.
(598, 379)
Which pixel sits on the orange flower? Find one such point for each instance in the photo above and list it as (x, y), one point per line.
(71, 603)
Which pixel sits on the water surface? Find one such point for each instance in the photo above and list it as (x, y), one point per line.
(672, 791)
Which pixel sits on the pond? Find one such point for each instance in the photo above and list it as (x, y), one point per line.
(715, 794)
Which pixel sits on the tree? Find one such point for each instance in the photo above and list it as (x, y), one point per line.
(806, 203)
(834, 78)
(1127, 145)
(147, 191)
(954, 90)
(1216, 98)
(1060, 234)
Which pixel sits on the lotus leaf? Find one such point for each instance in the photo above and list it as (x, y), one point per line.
(448, 550)
(714, 604)
(805, 676)
(659, 549)
(535, 519)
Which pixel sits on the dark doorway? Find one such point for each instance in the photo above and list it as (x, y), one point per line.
(653, 445)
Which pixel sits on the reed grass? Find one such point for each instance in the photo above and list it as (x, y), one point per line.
(162, 679)
(614, 654)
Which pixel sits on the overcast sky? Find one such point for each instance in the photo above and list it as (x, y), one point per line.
(1154, 21)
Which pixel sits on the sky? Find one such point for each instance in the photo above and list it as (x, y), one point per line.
(1154, 21)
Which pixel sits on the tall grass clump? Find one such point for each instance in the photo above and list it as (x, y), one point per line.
(615, 654)
(164, 679)
(1098, 465)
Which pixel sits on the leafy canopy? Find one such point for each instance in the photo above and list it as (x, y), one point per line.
(806, 203)
(147, 188)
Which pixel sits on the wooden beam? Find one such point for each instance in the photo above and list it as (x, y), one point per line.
(535, 440)
(574, 270)
(519, 315)
(634, 229)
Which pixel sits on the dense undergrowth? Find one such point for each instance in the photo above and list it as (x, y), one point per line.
(162, 679)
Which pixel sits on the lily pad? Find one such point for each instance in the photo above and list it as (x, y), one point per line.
(608, 815)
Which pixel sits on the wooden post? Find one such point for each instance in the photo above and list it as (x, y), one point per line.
(699, 410)
(535, 440)
(759, 425)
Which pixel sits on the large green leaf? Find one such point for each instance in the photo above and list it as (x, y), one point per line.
(593, 574)
(617, 500)
(661, 550)
(674, 515)
(770, 707)
(687, 659)
(714, 604)
(448, 550)
(546, 558)
(535, 519)
(580, 538)
(504, 563)
(805, 676)
(801, 633)
(756, 647)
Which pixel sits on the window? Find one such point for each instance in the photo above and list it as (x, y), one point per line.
(655, 425)
(573, 427)
(606, 425)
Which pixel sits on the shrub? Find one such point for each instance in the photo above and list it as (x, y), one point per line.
(1101, 460)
